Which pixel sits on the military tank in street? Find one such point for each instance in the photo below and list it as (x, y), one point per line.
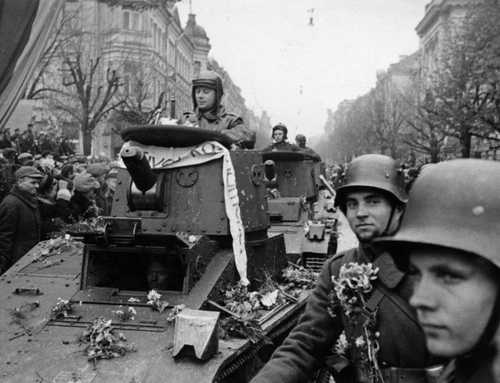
(148, 299)
(299, 207)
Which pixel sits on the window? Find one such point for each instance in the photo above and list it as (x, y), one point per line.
(135, 21)
(154, 35)
(165, 45)
(197, 68)
(126, 20)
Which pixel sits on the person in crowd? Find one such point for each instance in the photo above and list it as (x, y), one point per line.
(27, 141)
(67, 172)
(62, 206)
(99, 171)
(7, 171)
(373, 199)
(83, 204)
(449, 240)
(15, 139)
(280, 139)
(65, 147)
(46, 196)
(20, 222)
(210, 114)
(47, 144)
(5, 139)
(300, 141)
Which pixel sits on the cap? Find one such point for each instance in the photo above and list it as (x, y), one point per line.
(25, 156)
(28, 171)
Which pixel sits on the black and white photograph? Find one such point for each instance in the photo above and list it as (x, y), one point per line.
(250, 191)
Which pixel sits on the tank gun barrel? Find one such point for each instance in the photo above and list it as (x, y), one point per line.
(138, 167)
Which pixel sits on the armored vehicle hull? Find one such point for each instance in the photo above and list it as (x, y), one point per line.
(296, 208)
(169, 235)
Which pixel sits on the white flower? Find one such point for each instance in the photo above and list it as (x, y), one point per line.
(342, 344)
(153, 297)
(132, 311)
(359, 341)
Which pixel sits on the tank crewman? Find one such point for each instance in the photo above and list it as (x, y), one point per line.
(210, 114)
(450, 236)
(280, 139)
(373, 199)
(301, 140)
(20, 222)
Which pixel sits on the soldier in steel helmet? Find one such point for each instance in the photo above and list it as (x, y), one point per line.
(280, 139)
(210, 114)
(449, 240)
(373, 199)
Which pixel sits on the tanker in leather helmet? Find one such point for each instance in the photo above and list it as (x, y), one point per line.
(281, 127)
(208, 79)
(463, 217)
(373, 171)
(170, 230)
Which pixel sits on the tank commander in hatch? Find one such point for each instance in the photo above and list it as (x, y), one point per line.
(210, 114)
(280, 139)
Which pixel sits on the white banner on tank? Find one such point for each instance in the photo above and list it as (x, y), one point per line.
(168, 158)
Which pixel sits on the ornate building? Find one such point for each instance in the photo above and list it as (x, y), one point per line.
(148, 47)
(440, 17)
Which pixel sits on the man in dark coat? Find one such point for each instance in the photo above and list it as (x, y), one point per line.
(20, 223)
(373, 199)
(210, 114)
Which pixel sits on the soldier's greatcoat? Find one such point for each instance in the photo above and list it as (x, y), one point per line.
(402, 342)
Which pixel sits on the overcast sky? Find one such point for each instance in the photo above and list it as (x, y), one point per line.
(296, 71)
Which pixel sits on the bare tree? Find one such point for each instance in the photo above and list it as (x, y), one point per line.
(84, 96)
(426, 134)
(61, 34)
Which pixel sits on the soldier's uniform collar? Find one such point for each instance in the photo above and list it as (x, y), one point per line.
(388, 273)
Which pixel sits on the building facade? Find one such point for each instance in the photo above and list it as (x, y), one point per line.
(153, 54)
(440, 18)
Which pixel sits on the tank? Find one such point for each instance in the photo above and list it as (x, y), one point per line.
(300, 206)
(143, 299)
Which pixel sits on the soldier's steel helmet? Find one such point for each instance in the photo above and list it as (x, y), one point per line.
(208, 79)
(454, 204)
(282, 127)
(373, 171)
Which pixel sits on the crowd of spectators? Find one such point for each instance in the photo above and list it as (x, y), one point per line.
(72, 188)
